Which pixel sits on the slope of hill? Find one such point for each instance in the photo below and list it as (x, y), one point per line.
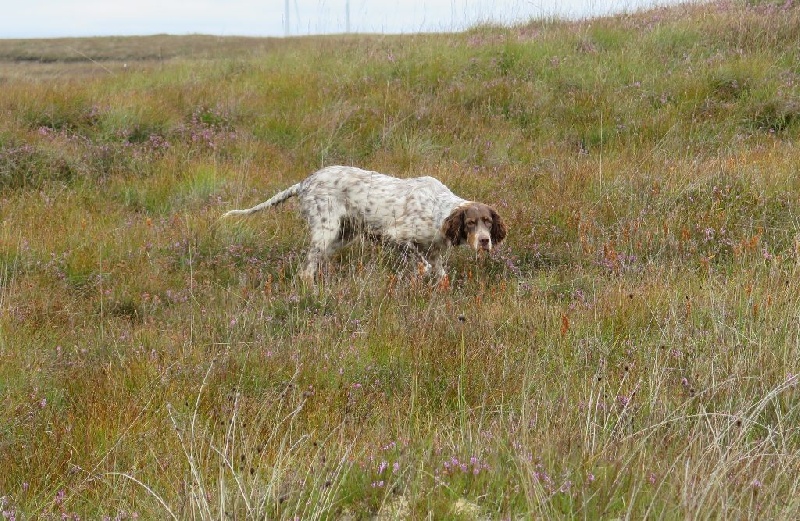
(632, 351)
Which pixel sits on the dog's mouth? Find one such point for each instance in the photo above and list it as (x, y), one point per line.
(482, 245)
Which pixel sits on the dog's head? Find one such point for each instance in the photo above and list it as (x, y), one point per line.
(475, 224)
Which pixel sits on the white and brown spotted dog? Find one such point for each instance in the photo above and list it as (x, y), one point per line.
(340, 203)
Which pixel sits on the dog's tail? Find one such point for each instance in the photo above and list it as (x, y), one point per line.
(272, 201)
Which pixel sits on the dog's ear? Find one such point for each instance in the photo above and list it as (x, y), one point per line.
(499, 229)
(453, 227)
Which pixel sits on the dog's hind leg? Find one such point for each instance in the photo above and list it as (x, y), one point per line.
(325, 240)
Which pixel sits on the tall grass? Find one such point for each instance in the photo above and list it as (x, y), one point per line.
(632, 351)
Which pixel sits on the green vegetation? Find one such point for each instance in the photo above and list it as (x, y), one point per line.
(632, 351)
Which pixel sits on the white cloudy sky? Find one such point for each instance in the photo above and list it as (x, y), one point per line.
(53, 18)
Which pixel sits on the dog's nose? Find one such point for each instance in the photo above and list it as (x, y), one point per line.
(485, 243)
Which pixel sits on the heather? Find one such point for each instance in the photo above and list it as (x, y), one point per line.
(631, 350)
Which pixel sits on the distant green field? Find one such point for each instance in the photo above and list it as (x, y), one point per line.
(632, 351)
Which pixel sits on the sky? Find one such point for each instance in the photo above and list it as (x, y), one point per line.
(63, 18)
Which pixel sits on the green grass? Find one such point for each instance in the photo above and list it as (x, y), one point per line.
(631, 351)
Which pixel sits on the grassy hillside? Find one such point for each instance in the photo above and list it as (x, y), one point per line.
(632, 351)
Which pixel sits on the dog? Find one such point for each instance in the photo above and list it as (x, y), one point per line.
(341, 203)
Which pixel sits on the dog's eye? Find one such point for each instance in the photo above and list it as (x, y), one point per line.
(470, 222)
